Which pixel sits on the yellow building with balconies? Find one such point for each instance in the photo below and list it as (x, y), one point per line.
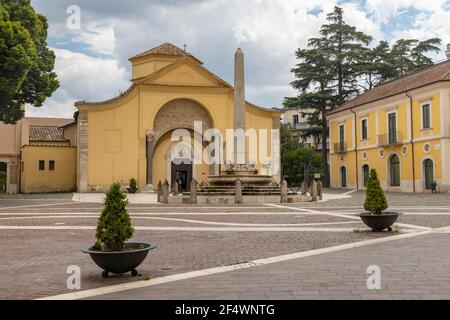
(401, 128)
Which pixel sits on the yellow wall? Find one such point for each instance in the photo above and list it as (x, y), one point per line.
(145, 66)
(117, 130)
(348, 131)
(435, 114)
(62, 179)
(421, 137)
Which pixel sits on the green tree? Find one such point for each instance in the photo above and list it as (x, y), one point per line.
(375, 199)
(340, 64)
(26, 62)
(288, 142)
(376, 66)
(300, 164)
(114, 224)
(343, 46)
(410, 54)
(327, 74)
(418, 56)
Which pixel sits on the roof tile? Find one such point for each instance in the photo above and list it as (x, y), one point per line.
(46, 133)
(410, 81)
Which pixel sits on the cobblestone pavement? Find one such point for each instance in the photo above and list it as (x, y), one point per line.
(198, 237)
(34, 262)
(417, 268)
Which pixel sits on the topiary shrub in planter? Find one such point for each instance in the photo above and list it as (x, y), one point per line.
(376, 201)
(132, 187)
(114, 225)
(111, 252)
(375, 204)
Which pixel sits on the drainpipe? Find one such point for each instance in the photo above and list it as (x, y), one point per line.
(412, 141)
(355, 135)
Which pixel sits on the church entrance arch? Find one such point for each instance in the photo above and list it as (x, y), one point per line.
(176, 114)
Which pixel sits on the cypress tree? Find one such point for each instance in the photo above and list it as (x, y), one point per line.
(114, 225)
(375, 199)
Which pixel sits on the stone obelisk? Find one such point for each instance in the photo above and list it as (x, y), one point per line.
(239, 103)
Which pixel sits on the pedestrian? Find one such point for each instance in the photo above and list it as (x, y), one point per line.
(433, 187)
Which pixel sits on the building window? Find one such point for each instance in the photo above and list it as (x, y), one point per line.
(41, 165)
(394, 171)
(365, 170)
(295, 119)
(341, 134)
(426, 116)
(51, 165)
(364, 130)
(392, 127)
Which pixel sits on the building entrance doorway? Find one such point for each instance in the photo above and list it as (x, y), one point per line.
(428, 169)
(3, 177)
(343, 177)
(182, 174)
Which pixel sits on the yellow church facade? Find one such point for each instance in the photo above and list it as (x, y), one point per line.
(130, 136)
(401, 128)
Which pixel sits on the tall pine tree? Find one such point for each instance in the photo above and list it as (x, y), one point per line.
(328, 71)
(340, 64)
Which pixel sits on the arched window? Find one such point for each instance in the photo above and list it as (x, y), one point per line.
(394, 171)
(343, 172)
(365, 172)
(428, 170)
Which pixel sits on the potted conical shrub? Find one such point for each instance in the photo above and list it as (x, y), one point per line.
(375, 204)
(132, 186)
(112, 252)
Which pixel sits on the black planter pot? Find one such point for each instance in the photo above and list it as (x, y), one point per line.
(379, 222)
(121, 261)
(132, 190)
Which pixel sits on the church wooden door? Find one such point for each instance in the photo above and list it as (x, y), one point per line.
(182, 174)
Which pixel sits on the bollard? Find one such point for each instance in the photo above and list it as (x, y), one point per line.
(238, 192)
(314, 190)
(159, 191)
(303, 188)
(175, 188)
(319, 189)
(193, 193)
(284, 191)
(165, 192)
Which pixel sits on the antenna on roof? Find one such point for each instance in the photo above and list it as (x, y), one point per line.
(185, 46)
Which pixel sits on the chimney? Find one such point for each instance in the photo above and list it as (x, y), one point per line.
(448, 51)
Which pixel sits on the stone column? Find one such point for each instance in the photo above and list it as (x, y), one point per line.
(238, 192)
(319, 189)
(159, 191)
(284, 191)
(165, 192)
(82, 179)
(314, 190)
(239, 100)
(193, 191)
(150, 135)
(303, 188)
(175, 189)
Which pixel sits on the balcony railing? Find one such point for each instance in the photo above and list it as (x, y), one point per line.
(390, 139)
(339, 147)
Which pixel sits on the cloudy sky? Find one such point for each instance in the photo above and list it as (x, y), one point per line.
(92, 62)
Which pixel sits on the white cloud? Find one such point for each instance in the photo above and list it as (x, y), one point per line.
(98, 39)
(269, 31)
(82, 77)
